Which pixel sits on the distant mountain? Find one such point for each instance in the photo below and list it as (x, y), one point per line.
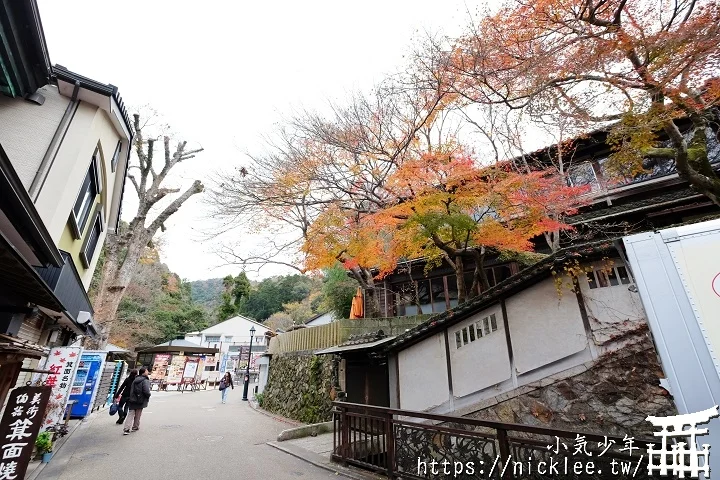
(207, 293)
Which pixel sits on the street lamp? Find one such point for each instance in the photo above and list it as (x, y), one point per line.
(247, 370)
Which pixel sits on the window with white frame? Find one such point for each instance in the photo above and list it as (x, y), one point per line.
(116, 156)
(608, 277)
(212, 339)
(86, 197)
(92, 238)
(476, 331)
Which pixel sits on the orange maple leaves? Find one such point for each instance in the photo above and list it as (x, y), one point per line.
(442, 205)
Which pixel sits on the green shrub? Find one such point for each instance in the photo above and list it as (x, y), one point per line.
(259, 398)
(44, 443)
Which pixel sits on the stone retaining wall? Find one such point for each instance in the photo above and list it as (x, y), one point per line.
(612, 397)
(300, 387)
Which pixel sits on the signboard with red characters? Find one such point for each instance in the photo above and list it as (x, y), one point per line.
(62, 364)
(19, 428)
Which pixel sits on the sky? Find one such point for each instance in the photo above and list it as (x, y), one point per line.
(223, 73)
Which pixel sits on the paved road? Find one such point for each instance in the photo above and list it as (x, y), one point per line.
(182, 436)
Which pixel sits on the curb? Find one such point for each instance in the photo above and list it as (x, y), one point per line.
(38, 470)
(279, 418)
(303, 431)
(321, 462)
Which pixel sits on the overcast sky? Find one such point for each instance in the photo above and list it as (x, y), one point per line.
(222, 72)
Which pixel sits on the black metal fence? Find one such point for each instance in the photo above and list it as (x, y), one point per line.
(408, 444)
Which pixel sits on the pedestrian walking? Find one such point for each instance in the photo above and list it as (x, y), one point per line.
(123, 394)
(138, 400)
(224, 384)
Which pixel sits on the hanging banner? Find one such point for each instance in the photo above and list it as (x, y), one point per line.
(160, 366)
(19, 428)
(62, 364)
(223, 363)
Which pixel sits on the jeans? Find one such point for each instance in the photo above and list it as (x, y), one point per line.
(133, 420)
(123, 407)
(224, 394)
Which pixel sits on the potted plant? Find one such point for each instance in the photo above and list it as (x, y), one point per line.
(44, 444)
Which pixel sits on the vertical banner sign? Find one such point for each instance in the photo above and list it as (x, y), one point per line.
(62, 364)
(19, 428)
(223, 362)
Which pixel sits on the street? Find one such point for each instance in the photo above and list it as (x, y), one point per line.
(182, 436)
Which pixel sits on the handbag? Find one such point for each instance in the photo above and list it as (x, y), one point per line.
(223, 386)
(113, 408)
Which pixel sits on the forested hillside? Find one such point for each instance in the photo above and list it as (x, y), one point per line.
(157, 307)
(207, 292)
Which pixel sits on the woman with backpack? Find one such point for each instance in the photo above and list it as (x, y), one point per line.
(123, 394)
(224, 384)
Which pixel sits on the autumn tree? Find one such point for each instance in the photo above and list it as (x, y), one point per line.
(123, 250)
(635, 67)
(449, 209)
(321, 166)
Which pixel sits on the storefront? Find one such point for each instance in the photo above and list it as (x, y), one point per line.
(177, 363)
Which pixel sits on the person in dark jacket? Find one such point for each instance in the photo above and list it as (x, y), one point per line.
(226, 382)
(123, 394)
(138, 400)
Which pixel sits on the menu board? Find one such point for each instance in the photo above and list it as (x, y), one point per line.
(190, 370)
(19, 428)
(176, 368)
(200, 368)
(160, 366)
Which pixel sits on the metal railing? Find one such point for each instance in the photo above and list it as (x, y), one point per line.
(418, 445)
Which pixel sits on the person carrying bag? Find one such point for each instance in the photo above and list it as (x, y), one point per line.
(224, 384)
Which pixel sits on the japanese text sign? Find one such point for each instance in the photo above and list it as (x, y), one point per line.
(62, 364)
(19, 428)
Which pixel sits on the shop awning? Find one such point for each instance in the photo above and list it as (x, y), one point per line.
(360, 347)
(12, 347)
(22, 281)
(179, 346)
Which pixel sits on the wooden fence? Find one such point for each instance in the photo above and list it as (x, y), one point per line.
(335, 333)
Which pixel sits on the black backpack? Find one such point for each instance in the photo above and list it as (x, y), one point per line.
(136, 396)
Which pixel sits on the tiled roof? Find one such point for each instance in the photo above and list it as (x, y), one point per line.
(676, 196)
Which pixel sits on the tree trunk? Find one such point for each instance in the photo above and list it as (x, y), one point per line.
(366, 281)
(124, 249)
(459, 267)
(479, 275)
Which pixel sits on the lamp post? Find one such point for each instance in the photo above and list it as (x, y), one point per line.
(247, 370)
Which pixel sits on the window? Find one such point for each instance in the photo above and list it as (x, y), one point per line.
(582, 175)
(438, 294)
(92, 238)
(212, 339)
(228, 339)
(116, 156)
(85, 199)
(476, 331)
(608, 277)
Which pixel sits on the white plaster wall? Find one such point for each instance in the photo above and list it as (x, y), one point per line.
(544, 327)
(423, 374)
(26, 130)
(611, 310)
(57, 197)
(482, 363)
